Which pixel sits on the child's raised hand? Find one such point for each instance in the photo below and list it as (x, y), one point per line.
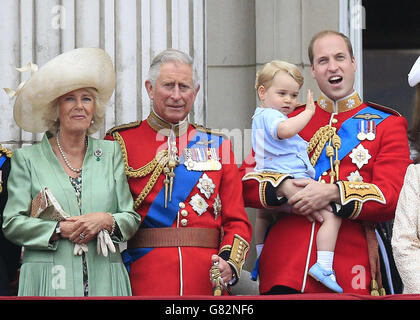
(310, 104)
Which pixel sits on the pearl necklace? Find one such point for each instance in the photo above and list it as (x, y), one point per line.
(64, 156)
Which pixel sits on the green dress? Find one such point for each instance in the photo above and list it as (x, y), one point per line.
(51, 268)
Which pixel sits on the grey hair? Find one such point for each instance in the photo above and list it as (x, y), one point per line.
(53, 123)
(170, 55)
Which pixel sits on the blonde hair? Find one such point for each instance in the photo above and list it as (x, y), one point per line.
(266, 75)
(53, 123)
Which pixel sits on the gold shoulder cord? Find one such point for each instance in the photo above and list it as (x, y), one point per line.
(6, 151)
(156, 165)
(318, 141)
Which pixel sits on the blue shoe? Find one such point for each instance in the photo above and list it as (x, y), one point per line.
(320, 274)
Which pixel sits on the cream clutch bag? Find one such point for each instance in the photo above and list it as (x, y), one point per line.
(45, 206)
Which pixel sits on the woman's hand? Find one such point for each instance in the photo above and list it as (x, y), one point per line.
(87, 226)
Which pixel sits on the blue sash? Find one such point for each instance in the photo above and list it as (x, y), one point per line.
(348, 134)
(160, 217)
(2, 160)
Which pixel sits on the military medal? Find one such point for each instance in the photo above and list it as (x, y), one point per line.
(371, 130)
(361, 127)
(360, 156)
(206, 185)
(199, 204)
(201, 159)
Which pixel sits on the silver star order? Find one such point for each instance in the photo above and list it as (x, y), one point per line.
(360, 156)
(355, 177)
(206, 185)
(323, 103)
(199, 204)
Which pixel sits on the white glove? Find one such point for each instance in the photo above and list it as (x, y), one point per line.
(104, 243)
(79, 249)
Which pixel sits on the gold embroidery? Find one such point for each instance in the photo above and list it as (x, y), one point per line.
(201, 128)
(356, 210)
(133, 124)
(164, 128)
(274, 178)
(238, 253)
(367, 116)
(345, 104)
(361, 192)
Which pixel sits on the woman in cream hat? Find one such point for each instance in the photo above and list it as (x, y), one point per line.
(405, 236)
(76, 256)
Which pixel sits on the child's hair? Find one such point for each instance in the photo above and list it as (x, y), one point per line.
(266, 75)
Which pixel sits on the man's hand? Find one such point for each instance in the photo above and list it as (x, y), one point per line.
(313, 196)
(225, 269)
(289, 187)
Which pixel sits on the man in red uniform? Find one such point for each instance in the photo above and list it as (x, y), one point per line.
(186, 187)
(360, 153)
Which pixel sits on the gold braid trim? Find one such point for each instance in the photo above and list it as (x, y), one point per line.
(146, 169)
(152, 181)
(318, 141)
(238, 254)
(156, 165)
(208, 130)
(6, 151)
(356, 211)
(274, 178)
(133, 124)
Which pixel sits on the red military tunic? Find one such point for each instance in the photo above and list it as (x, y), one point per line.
(370, 178)
(184, 270)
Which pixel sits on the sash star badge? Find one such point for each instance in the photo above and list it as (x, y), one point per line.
(217, 207)
(206, 185)
(355, 177)
(360, 156)
(199, 204)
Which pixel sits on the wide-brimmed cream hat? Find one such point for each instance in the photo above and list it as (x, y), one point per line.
(72, 70)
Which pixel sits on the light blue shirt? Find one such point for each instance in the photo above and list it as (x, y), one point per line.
(275, 154)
